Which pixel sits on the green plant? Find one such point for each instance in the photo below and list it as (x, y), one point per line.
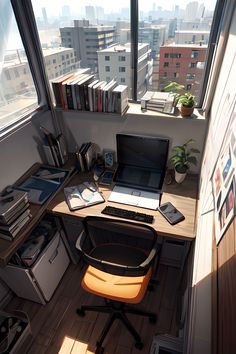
(184, 156)
(187, 100)
(174, 87)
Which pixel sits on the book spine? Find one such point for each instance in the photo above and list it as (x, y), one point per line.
(57, 94)
(69, 97)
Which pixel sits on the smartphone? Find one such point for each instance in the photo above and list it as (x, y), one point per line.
(107, 178)
(171, 213)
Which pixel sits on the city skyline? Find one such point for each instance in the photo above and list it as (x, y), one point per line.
(144, 5)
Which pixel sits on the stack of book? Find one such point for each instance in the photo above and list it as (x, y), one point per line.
(158, 101)
(86, 93)
(14, 213)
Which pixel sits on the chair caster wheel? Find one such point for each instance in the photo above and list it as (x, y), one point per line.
(99, 350)
(80, 312)
(139, 345)
(153, 319)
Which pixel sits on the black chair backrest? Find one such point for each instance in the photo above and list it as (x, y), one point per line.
(106, 234)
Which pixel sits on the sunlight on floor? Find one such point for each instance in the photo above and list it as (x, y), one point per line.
(72, 346)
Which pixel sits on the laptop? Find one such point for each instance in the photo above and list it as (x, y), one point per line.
(141, 170)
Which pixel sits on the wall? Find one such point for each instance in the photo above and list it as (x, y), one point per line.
(201, 315)
(20, 150)
(102, 128)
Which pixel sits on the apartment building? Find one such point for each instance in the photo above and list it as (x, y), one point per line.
(114, 62)
(155, 36)
(86, 41)
(191, 37)
(182, 63)
(16, 76)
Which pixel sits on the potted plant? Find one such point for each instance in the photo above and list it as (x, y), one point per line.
(182, 159)
(187, 102)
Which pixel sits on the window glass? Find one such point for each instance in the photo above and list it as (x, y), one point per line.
(17, 91)
(93, 32)
(175, 32)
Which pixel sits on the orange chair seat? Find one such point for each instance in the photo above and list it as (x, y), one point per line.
(120, 288)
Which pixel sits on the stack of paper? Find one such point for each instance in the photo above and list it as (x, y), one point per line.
(14, 213)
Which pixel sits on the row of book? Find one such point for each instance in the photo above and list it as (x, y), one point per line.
(158, 101)
(14, 213)
(84, 92)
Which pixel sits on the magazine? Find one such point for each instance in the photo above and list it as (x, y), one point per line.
(82, 195)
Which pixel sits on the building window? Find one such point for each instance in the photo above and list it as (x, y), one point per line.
(177, 65)
(190, 76)
(54, 61)
(108, 78)
(165, 74)
(107, 69)
(194, 54)
(191, 65)
(188, 87)
(175, 55)
(166, 64)
(166, 55)
(175, 75)
(122, 69)
(122, 79)
(107, 57)
(121, 58)
(17, 97)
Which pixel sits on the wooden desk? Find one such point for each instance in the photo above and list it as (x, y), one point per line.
(184, 198)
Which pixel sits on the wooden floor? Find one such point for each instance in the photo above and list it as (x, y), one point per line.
(56, 328)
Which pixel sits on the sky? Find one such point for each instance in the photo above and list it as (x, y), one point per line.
(110, 5)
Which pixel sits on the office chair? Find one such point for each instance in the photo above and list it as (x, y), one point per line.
(119, 255)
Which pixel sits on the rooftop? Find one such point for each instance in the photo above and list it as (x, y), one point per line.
(122, 48)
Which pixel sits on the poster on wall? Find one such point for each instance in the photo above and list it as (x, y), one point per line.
(223, 179)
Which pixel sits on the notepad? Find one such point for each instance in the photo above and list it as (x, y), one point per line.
(82, 195)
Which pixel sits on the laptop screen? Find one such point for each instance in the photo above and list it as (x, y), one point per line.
(141, 160)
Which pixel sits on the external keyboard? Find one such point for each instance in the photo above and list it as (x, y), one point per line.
(127, 214)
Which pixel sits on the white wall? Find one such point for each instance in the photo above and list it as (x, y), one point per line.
(225, 93)
(102, 128)
(20, 150)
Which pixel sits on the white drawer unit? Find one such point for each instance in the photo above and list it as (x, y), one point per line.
(39, 282)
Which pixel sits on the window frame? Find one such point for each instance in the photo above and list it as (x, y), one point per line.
(25, 20)
(216, 28)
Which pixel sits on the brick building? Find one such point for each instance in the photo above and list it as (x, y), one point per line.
(182, 63)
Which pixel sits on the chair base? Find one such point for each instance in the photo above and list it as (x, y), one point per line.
(117, 310)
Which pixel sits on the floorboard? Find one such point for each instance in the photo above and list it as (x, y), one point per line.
(56, 328)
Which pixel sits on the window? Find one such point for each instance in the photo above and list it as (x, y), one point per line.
(122, 69)
(122, 80)
(107, 69)
(188, 87)
(191, 65)
(190, 76)
(175, 75)
(165, 74)
(153, 41)
(194, 54)
(17, 97)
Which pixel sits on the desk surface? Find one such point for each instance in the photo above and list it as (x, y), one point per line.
(182, 196)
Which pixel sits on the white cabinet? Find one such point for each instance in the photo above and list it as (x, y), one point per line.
(39, 282)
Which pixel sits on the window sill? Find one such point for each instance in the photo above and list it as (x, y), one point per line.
(135, 109)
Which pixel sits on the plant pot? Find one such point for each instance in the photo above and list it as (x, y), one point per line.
(179, 177)
(186, 111)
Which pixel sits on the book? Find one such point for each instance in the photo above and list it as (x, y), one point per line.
(82, 195)
(155, 98)
(9, 235)
(90, 94)
(97, 96)
(106, 94)
(119, 99)
(10, 227)
(57, 91)
(11, 203)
